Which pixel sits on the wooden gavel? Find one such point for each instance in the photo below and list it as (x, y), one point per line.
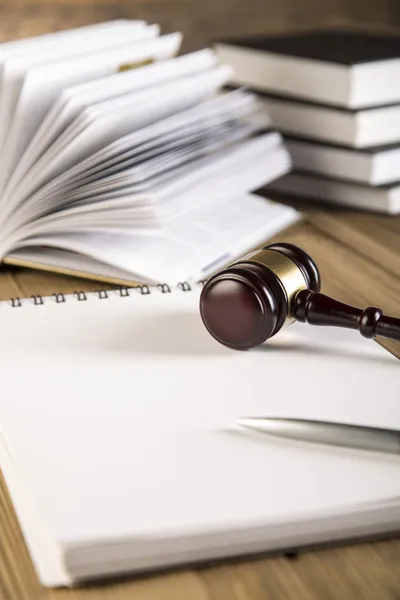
(251, 300)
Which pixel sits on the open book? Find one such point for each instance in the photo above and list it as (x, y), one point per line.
(119, 157)
(120, 447)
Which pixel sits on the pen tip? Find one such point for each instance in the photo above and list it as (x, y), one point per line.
(247, 421)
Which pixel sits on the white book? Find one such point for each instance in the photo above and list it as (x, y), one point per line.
(383, 199)
(109, 132)
(337, 67)
(369, 166)
(364, 128)
(120, 446)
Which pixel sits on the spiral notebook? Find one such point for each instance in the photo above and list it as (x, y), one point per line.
(120, 447)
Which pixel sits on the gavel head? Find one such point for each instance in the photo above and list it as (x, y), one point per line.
(250, 301)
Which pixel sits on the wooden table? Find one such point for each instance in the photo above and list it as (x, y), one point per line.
(359, 257)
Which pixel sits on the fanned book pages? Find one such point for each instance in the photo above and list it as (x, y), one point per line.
(120, 447)
(121, 159)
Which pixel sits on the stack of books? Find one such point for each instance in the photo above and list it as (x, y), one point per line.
(123, 160)
(335, 96)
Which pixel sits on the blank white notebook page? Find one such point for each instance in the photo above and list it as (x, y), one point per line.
(120, 415)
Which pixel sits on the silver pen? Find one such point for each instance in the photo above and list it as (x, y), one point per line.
(330, 433)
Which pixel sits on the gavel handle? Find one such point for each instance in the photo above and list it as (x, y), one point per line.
(318, 309)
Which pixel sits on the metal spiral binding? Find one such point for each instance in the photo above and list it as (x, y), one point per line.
(102, 294)
(59, 297)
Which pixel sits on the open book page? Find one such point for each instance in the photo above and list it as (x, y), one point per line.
(72, 100)
(107, 31)
(202, 125)
(47, 40)
(165, 164)
(219, 230)
(238, 169)
(77, 42)
(232, 107)
(164, 160)
(136, 110)
(127, 114)
(43, 84)
(142, 378)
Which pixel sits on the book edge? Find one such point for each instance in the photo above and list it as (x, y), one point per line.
(30, 264)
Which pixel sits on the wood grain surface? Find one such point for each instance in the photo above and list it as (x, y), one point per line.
(359, 258)
(200, 21)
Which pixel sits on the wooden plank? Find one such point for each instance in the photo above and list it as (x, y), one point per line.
(9, 287)
(376, 237)
(201, 22)
(31, 282)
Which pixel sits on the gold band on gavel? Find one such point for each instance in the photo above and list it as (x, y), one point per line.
(285, 270)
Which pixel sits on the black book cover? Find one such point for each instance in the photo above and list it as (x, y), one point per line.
(343, 47)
